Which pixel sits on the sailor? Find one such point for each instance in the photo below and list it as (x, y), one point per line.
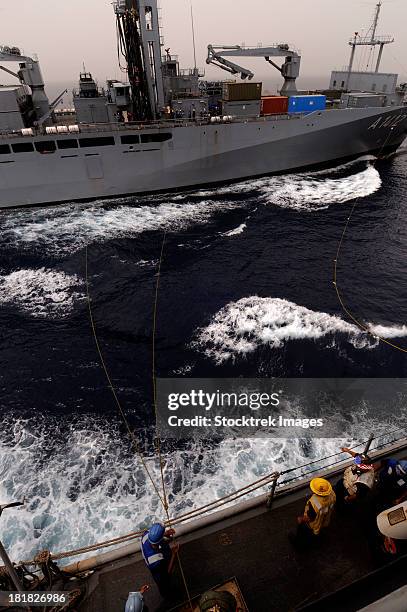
(158, 555)
(135, 600)
(317, 512)
(393, 481)
(358, 479)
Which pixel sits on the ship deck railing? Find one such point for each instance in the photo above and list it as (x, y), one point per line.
(150, 125)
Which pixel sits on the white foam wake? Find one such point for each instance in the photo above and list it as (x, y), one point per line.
(243, 326)
(310, 194)
(41, 292)
(68, 228)
(308, 191)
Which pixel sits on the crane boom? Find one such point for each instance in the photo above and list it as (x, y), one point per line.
(290, 70)
(29, 74)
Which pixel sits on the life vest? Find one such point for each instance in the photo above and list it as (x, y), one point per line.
(323, 507)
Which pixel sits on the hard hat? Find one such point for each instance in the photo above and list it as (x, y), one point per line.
(156, 533)
(392, 523)
(320, 486)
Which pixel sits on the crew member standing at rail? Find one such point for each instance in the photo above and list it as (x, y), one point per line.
(317, 512)
(158, 555)
(358, 480)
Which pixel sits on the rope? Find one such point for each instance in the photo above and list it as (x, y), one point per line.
(106, 371)
(359, 324)
(163, 497)
(154, 378)
(157, 438)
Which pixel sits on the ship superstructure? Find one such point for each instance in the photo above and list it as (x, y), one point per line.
(164, 128)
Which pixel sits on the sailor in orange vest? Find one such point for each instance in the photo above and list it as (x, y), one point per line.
(317, 512)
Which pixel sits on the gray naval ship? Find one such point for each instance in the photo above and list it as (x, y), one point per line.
(164, 128)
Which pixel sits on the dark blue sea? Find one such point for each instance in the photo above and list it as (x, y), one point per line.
(246, 290)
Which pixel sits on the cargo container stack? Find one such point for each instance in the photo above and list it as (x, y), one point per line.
(241, 99)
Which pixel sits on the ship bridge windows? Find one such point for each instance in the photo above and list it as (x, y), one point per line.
(22, 147)
(99, 141)
(45, 146)
(4, 149)
(130, 139)
(67, 143)
(160, 137)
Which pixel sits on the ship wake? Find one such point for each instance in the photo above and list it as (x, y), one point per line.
(66, 229)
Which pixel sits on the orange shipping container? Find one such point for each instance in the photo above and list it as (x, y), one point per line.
(274, 105)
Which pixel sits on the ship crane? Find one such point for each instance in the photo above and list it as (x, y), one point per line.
(30, 75)
(290, 70)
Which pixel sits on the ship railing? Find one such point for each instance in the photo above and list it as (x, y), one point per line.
(191, 72)
(385, 443)
(161, 124)
(367, 40)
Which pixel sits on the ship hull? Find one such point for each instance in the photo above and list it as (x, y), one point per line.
(195, 155)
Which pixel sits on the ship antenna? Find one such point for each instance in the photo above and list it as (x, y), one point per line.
(193, 34)
(376, 19)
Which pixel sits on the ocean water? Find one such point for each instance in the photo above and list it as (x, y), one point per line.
(246, 290)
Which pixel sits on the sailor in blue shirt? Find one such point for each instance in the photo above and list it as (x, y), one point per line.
(158, 555)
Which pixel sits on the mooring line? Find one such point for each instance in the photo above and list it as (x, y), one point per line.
(341, 300)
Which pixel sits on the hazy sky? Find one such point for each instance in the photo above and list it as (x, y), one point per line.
(66, 33)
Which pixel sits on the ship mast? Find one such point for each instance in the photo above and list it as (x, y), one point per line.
(371, 41)
(140, 45)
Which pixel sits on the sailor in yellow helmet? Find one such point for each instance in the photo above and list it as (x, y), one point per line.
(318, 509)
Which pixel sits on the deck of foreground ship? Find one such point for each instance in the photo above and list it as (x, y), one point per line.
(253, 546)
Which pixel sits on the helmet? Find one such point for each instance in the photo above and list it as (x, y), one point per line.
(156, 533)
(320, 486)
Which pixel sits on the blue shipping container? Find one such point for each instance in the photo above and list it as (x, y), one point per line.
(306, 104)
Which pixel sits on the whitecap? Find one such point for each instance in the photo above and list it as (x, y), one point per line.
(243, 326)
(236, 231)
(42, 292)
